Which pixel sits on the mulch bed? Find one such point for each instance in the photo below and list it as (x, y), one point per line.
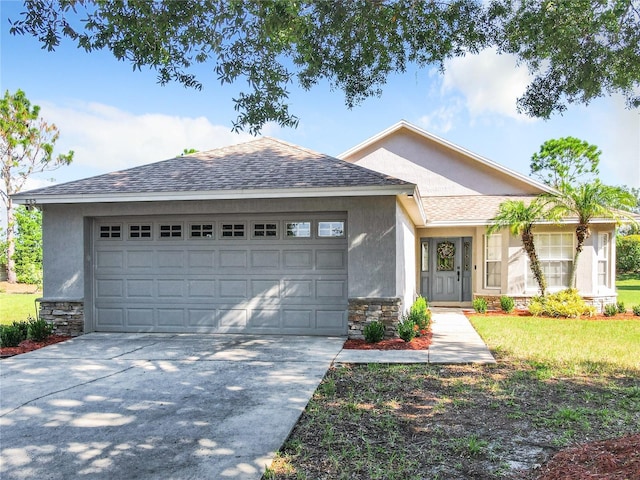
(617, 459)
(419, 343)
(29, 345)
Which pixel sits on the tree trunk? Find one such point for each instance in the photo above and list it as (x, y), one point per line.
(582, 233)
(11, 243)
(530, 248)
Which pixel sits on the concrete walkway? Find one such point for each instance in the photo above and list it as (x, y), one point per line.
(454, 341)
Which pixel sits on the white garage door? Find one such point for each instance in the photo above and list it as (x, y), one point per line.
(274, 274)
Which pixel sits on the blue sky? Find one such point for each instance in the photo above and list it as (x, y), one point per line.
(115, 118)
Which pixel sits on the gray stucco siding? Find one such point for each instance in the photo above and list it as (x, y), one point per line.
(370, 230)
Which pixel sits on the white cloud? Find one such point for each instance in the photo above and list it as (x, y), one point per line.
(443, 119)
(105, 138)
(490, 83)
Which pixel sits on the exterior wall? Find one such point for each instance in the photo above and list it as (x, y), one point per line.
(406, 264)
(371, 233)
(365, 310)
(67, 317)
(436, 169)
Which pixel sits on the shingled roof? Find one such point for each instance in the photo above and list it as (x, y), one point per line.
(261, 164)
(466, 209)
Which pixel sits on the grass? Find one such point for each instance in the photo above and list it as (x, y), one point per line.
(16, 307)
(628, 286)
(556, 383)
(583, 346)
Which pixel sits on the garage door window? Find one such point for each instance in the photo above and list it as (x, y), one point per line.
(330, 229)
(139, 231)
(170, 231)
(265, 230)
(233, 230)
(201, 230)
(110, 231)
(298, 229)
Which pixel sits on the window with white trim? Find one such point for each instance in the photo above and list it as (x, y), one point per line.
(233, 230)
(110, 231)
(555, 253)
(139, 231)
(171, 231)
(265, 230)
(493, 261)
(425, 256)
(201, 230)
(330, 229)
(298, 229)
(603, 259)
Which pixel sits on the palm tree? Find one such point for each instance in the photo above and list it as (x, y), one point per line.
(519, 218)
(587, 202)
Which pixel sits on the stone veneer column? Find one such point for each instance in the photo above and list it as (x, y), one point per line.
(66, 316)
(364, 310)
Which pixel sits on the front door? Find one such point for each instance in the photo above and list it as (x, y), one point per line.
(446, 272)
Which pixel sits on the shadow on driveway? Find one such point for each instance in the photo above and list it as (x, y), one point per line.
(107, 406)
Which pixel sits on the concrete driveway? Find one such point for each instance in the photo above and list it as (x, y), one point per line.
(115, 406)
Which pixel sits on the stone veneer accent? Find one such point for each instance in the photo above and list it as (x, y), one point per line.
(66, 316)
(522, 303)
(364, 310)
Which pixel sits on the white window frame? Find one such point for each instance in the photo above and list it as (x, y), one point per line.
(296, 231)
(552, 255)
(110, 230)
(265, 230)
(202, 231)
(144, 231)
(604, 256)
(170, 231)
(494, 257)
(236, 227)
(329, 228)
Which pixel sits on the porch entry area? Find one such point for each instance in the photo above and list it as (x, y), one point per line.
(445, 269)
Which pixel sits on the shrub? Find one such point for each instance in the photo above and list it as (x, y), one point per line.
(636, 310)
(10, 336)
(23, 327)
(420, 314)
(566, 303)
(628, 254)
(480, 305)
(407, 329)
(610, 310)
(621, 308)
(39, 329)
(373, 331)
(507, 304)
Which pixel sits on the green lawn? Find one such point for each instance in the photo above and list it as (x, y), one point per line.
(583, 346)
(628, 287)
(16, 306)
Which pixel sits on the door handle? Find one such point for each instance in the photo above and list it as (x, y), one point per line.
(458, 275)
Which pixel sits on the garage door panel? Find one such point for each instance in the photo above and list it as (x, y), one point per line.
(170, 317)
(140, 317)
(298, 258)
(330, 259)
(233, 259)
(110, 288)
(201, 259)
(140, 288)
(233, 317)
(265, 318)
(269, 259)
(169, 288)
(331, 288)
(142, 259)
(205, 318)
(253, 284)
(202, 288)
(329, 319)
(297, 319)
(233, 289)
(265, 288)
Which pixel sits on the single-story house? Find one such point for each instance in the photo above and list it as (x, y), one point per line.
(269, 237)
